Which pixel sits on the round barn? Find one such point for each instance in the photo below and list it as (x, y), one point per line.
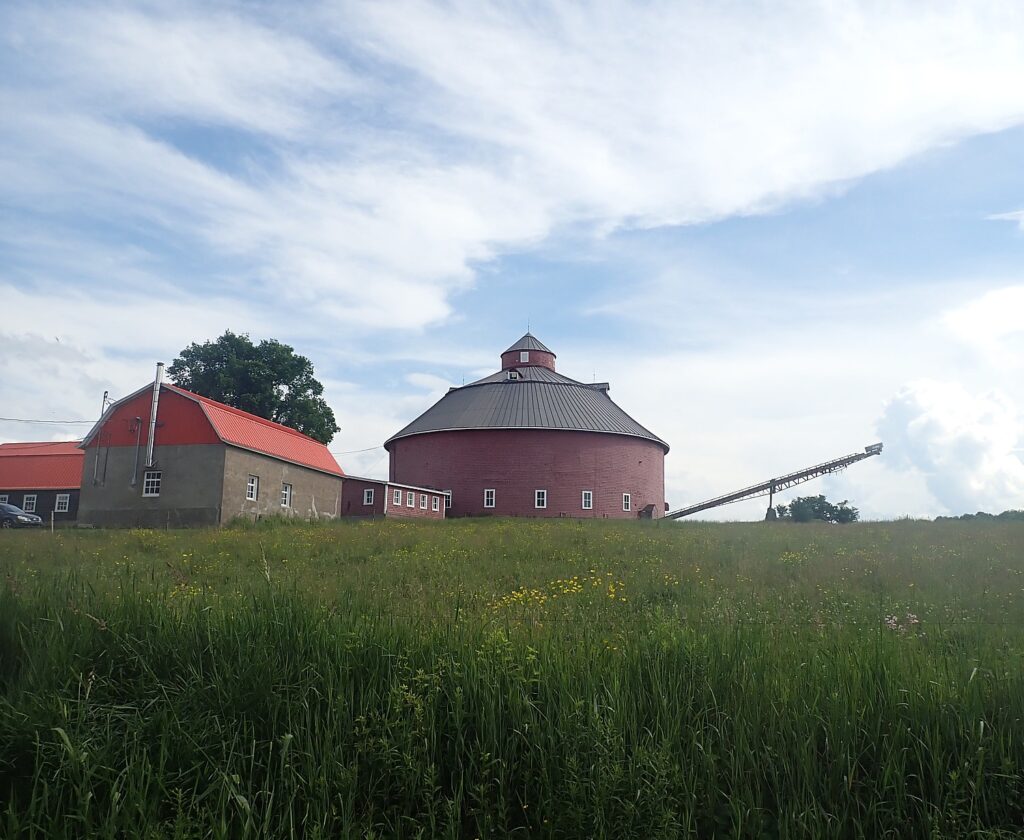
(528, 441)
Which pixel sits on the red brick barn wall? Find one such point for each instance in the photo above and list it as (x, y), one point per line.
(352, 497)
(516, 462)
(537, 357)
(416, 512)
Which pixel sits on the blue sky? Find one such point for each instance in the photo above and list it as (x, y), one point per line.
(782, 231)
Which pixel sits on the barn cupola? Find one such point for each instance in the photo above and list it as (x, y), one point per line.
(527, 352)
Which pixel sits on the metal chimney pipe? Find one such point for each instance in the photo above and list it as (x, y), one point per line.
(152, 412)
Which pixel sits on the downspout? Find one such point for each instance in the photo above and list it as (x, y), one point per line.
(152, 413)
(138, 446)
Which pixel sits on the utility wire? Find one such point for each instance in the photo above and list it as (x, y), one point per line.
(354, 451)
(55, 422)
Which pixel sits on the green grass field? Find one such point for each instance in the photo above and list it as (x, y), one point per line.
(493, 678)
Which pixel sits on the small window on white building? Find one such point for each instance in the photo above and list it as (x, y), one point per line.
(29, 504)
(397, 497)
(540, 498)
(489, 498)
(368, 496)
(286, 495)
(151, 480)
(588, 499)
(410, 500)
(423, 501)
(524, 356)
(63, 503)
(252, 488)
(448, 500)
(435, 503)
(626, 501)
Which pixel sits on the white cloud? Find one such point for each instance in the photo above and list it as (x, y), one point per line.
(966, 445)
(483, 128)
(993, 324)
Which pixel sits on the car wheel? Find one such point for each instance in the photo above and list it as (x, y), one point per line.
(6, 523)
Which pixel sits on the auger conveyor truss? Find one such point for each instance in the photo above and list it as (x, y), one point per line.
(773, 485)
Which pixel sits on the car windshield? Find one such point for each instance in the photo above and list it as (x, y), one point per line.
(6, 508)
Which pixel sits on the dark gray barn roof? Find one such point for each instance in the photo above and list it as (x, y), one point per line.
(538, 399)
(528, 342)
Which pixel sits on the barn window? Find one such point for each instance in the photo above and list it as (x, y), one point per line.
(435, 503)
(151, 480)
(63, 503)
(448, 500)
(252, 488)
(286, 495)
(625, 501)
(398, 497)
(368, 496)
(524, 356)
(410, 500)
(423, 501)
(588, 499)
(513, 374)
(3, 499)
(540, 498)
(29, 505)
(489, 498)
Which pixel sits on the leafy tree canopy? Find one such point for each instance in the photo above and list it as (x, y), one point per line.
(816, 509)
(267, 379)
(1005, 516)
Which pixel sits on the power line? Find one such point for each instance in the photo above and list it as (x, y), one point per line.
(55, 422)
(354, 451)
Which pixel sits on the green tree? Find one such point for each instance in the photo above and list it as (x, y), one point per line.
(817, 509)
(267, 379)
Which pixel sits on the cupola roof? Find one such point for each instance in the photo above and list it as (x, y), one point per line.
(529, 342)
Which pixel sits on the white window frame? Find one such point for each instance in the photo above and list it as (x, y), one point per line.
(513, 374)
(397, 497)
(286, 494)
(489, 501)
(435, 503)
(367, 496)
(27, 505)
(423, 501)
(3, 499)
(540, 499)
(448, 500)
(627, 502)
(524, 355)
(152, 480)
(62, 504)
(587, 500)
(252, 488)
(410, 499)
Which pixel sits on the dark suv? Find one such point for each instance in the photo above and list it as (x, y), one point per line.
(15, 517)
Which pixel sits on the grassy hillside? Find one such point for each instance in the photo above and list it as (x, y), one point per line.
(496, 678)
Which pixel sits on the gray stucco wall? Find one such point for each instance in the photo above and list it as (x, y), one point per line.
(191, 487)
(313, 493)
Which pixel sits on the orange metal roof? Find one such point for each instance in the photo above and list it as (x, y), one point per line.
(45, 465)
(247, 431)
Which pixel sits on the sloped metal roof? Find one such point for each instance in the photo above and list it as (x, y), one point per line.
(528, 342)
(538, 399)
(45, 465)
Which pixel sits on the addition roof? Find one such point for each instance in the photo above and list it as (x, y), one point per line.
(46, 465)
